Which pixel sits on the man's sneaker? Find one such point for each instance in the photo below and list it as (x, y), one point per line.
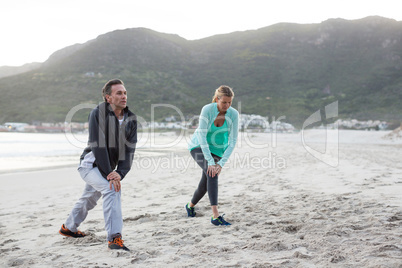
(64, 231)
(117, 243)
(190, 211)
(219, 221)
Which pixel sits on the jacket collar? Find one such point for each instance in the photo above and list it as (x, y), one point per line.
(127, 112)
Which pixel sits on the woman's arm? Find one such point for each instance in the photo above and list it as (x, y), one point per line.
(233, 133)
(204, 122)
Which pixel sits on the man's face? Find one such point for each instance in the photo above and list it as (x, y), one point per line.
(118, 97)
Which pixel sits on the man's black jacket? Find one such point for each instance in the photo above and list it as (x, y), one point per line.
(112, 144)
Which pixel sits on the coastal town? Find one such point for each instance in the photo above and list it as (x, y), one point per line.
(247, 123)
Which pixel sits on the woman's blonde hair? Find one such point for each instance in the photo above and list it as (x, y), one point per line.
(223, 91)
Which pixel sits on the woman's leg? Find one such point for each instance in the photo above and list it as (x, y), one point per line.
(207, 184)
(200, 191)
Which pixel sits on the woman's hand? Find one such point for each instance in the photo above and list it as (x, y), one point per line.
(211, 171)
(218, 169)
(214, 170)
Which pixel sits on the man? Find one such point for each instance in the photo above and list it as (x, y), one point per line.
(105, 162)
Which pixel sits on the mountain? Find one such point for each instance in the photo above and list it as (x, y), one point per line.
(64, 53)
(285, 69)
(14, 70)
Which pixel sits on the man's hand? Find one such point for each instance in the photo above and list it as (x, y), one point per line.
(114, 179)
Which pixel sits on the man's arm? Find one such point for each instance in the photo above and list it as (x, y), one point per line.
(97, 142)
(126, 157)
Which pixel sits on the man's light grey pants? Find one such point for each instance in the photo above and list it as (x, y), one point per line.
(97, 186)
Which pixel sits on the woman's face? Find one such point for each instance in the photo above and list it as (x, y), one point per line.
(224, 103)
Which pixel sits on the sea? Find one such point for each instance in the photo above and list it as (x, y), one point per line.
(34, 151)
(20, 152)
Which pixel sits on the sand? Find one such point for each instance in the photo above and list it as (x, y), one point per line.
(287, 208)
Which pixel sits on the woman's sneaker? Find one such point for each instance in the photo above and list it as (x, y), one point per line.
(190, 211)
(64, 231)
(219, 221)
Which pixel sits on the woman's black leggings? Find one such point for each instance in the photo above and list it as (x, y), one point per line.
(207, 183)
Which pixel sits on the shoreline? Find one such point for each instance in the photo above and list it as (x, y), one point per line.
(28, 170)
(315, 138)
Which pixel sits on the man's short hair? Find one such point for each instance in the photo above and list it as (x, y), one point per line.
(107, 88)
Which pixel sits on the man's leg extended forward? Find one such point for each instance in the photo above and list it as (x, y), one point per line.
(87, 201)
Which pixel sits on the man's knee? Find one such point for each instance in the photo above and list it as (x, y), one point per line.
(110, 193)
(93, 200)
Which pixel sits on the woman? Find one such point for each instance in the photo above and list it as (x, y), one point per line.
(211, 145)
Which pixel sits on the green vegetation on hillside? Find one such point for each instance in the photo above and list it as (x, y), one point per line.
(285, 69)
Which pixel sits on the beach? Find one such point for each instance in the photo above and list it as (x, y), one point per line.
(325, 199)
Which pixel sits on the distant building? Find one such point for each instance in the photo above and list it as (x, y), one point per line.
(361, 125)
(15, 126)
(170, 119)
(89, 74)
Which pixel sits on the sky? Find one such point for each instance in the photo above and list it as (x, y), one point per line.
(32, 30)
